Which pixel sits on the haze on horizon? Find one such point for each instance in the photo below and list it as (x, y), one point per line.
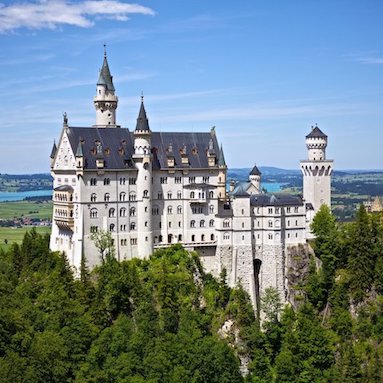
(262, 72)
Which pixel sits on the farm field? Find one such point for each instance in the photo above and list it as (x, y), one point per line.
(9, 235)
(31, 209)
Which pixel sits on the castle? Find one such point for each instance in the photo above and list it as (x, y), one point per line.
(152, 189)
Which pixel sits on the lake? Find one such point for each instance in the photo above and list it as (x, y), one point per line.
(19, 196)
(272, 187)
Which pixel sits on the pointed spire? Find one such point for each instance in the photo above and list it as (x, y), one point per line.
(79, 152)
(255, 171)
(142, 120)
(105, 78)
(221, 159)
(54, 150)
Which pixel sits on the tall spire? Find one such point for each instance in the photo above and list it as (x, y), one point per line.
(221, 159)
(142, 120)
(105, 78)
(105, 100)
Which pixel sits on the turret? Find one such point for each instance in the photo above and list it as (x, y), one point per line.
(222, 169)
(105, 100)
(79, 158)
(143, 159)
(316, 143)
(255, 178)
(53, 153)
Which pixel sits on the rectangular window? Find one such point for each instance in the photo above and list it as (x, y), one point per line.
(177, 180)
(164, 180)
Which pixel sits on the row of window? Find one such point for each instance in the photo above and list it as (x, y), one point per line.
(133, 180)
(122, 196)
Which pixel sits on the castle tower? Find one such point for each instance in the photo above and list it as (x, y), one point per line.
(255, 178)
(316, 171)
(143, 159)
(105, 100)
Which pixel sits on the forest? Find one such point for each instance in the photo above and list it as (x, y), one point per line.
(165, 320)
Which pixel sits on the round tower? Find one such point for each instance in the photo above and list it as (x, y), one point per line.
(316, 143)
(143, 159)
(317, 172)
(255, 178)
(105, 100)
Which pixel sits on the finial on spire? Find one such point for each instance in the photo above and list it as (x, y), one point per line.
(105, 50)
(142, 97)
(65, 119)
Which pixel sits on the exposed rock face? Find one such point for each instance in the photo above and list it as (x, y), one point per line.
(297, 268)
(230, 332)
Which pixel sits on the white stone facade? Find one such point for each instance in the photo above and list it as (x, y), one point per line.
(151, 190)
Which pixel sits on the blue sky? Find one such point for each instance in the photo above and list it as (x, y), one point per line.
(262, 72)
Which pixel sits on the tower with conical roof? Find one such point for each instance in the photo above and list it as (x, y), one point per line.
(255, 178)
(222, 171)
(105, 100)
(143, 159)
(317, 172)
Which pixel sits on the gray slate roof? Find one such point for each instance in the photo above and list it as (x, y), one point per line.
(54, 150)
(276, 200)
(255, 171)
(142, 119)
(316, 133)
(105, 78)
(117, 147)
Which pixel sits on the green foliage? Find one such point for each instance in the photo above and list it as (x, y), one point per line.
(161, 320)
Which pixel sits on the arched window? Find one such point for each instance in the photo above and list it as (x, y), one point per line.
(211, 194)
(179, 209)
(193, 238)
(192, 223)
(192, 195)
(93, 181)
(211, 237)
(202, 223)
(146, 193)
(202, 237)
(160, 238)
(132, 226)
(132, 211)
(112, 212)
(170, 210)
(179, 237)
(112, 227)
(226, 236)
(211, 209)
(179, 195)
(122, 212)
(93, 213)
(122, 196)
(106, 181)
(93, 197)
(132, 196)
(226, 223)
(106, 197)
(211, 223)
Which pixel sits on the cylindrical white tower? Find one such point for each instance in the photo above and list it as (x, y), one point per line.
(105, 100)
(316, 173)
(143, 159)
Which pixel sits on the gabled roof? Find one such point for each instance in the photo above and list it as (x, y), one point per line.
(255, 171)
(316, 133)
(279, 199)
(105, 78)
(142, 120)
(240, 189)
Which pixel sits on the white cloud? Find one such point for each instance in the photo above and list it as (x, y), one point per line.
(53, 13)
